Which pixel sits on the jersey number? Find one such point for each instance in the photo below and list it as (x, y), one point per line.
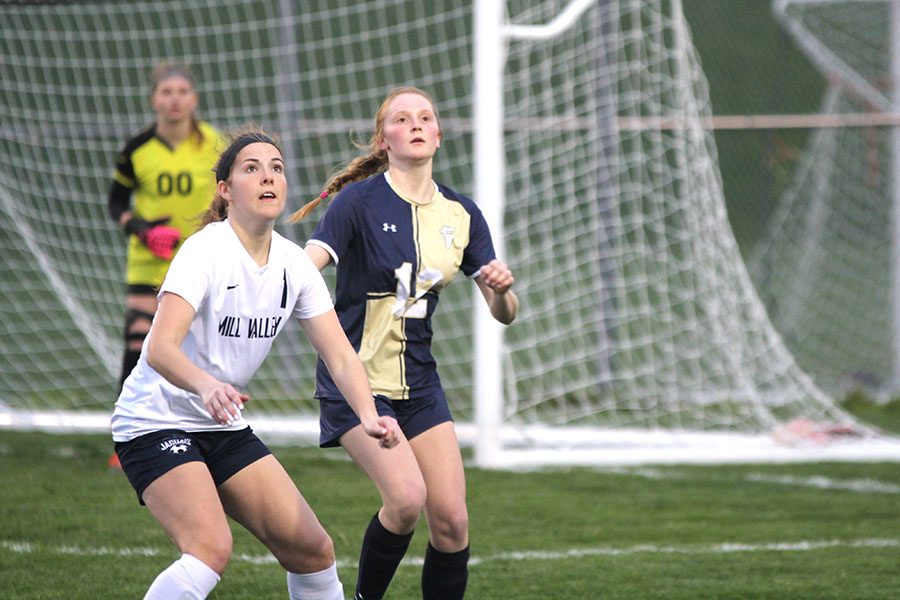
(410, 303)
(181, 182)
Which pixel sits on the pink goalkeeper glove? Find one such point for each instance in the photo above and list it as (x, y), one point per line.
(161, 240)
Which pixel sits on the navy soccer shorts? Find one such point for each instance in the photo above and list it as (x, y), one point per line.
(225, 453)
(414, 416)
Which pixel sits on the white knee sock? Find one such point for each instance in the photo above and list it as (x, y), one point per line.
(323, 585)
(188, 578)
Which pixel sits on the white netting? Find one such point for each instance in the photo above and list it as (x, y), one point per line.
(825, 268)
(636, 307)
(634, 286)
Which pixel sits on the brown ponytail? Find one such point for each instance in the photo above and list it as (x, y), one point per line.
(217, 211)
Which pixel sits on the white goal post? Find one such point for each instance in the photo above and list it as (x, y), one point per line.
(640, 336)
(684, 117)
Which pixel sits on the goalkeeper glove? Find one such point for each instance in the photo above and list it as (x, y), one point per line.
(159, 238)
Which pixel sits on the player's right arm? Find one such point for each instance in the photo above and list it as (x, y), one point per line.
(118, 203)
(124, 182)
(325, 334)
(164, 354)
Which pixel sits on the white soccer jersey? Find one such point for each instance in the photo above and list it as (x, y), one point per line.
(240, 308)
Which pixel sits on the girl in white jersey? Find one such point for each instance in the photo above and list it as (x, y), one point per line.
(178, 427)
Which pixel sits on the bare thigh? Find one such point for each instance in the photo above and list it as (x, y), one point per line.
(263, 498)
(440, 461)
(186, 504)
(395, 473)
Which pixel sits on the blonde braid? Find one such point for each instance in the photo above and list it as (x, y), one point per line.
(357, 169)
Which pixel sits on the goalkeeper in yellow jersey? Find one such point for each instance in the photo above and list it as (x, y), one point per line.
(167, 168)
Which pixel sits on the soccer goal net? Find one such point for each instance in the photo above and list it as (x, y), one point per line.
(637, 313)
(827, 269)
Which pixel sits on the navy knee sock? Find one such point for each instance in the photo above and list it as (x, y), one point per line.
(379, 558)
(445, 574)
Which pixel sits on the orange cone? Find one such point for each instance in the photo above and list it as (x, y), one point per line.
(113, 462)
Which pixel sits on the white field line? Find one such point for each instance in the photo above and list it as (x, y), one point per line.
(18, 547)
(860, 486)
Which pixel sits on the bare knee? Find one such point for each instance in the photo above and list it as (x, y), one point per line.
(402, 509)
(309, 553)
(450, 530)
(319, 553)
(213, 550)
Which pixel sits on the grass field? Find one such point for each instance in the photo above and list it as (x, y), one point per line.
(71, 528)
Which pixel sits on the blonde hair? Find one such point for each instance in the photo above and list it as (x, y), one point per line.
(361, 167)
(244, 135)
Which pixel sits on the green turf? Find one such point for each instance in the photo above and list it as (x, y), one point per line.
(71, 528)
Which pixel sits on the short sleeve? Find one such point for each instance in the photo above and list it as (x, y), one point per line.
(190, 273)
(336, 229)
(480, 250)
(314, 298)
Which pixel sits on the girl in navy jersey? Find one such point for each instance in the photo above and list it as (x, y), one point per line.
(178, 425)
(397, 238)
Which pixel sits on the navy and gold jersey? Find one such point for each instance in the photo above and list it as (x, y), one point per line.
(393, 257)
(166, 182)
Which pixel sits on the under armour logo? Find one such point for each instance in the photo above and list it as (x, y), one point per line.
(389, 227)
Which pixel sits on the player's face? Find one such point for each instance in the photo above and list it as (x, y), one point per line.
(411, 130)
(174, 99)
(256, 190)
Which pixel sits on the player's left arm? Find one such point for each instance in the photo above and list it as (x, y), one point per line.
(318, 255)
(495, 280)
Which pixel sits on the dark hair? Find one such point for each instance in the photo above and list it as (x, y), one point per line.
(226, 159)
(239, 139)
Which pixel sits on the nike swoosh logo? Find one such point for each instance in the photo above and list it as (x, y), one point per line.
(231, 287)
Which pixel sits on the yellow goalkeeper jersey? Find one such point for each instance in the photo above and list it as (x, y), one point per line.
(175, 182)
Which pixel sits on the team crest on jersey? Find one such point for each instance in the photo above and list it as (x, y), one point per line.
(447, 234)
(176, 445)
